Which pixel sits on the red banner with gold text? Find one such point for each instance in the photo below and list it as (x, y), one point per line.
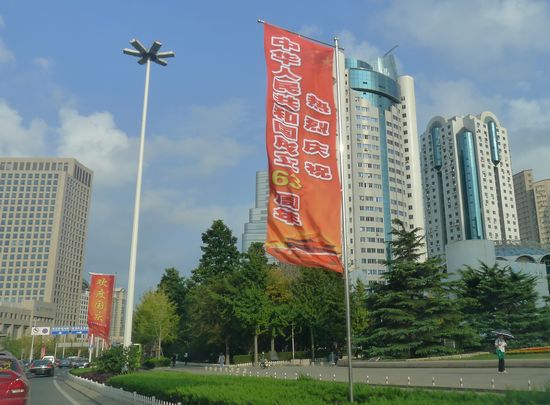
(100, 304)
(304, 207)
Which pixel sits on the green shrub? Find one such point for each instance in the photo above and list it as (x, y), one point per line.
(154, 362)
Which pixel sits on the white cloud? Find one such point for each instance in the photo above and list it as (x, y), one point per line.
(311, 31)
(6, 55)
(450, 98)
(96, 142)
(210, 140)
(44, 63)
(15, 139)
(473, 32)
(357, 49)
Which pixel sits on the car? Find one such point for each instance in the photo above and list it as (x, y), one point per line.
(42, 367)
(14, 385)
(65, 363)
(80, 362)
(49, 358)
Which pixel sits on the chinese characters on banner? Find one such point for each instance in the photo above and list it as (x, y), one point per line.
(303, 225)
(100, 304)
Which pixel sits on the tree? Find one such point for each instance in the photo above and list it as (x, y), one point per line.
(319, 302)
(155, 321)
(411, 313)
(220, 255)
(359, 313)
(495, 297)
(250, 301)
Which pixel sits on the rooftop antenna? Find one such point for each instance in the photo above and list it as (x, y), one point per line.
(390, 51)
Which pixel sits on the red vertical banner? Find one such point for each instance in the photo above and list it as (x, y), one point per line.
(100, 304)
(304, 208)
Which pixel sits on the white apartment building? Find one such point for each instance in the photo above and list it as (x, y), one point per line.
(467, 177)
(383, 177)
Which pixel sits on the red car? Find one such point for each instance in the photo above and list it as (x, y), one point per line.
(14, 386)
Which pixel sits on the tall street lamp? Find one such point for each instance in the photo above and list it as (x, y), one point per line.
(146, 56)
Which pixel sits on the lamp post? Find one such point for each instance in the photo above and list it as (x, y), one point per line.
(146, 56)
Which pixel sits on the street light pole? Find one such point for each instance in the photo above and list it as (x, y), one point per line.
(146, 56)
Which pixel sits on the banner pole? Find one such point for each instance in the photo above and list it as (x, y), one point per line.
(343, 184)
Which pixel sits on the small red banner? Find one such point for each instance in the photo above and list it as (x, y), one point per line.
(304, 208)
(100, 304)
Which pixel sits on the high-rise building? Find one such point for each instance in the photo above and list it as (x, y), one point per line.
(44, 207)
(256, 228)
(382, 161)
(117, 315)
(467, 176)
(533, 206)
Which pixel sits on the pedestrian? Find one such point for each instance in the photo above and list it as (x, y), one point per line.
(174, 358)
(500, 346)
(221, 360)
(185, 358)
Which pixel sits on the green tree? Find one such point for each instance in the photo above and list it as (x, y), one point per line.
(319, 300)
(250, 301)
(220, 255)
(495, 297)
(359, 313)
(411, 313)
(156, 321)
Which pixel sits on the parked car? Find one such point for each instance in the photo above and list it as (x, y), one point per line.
(65, 363)
(80, 362)
(14, 386)
(42, 367)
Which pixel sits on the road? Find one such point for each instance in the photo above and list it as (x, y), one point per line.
(472, 378)
(57, 390)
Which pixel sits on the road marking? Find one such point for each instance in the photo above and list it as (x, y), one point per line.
(67, 396)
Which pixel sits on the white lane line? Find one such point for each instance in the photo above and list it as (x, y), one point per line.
(67, 396)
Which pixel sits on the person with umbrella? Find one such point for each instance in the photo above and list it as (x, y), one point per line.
(500, 346)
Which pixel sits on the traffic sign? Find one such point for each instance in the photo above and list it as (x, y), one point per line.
(40, 330)
(69, 330)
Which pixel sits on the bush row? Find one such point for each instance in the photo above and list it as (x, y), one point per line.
(207, 390)
(283, 356)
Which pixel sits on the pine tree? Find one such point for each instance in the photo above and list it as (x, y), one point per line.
(495, 297)
(411, 313)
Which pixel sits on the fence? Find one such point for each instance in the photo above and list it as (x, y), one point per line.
(118, 394)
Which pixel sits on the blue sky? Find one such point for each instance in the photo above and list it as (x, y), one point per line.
(67, 90)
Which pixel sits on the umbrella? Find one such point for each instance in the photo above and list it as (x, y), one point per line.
(504, 333)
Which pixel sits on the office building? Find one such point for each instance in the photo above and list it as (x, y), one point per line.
(533, 206)
(467, 177)
(383, 170)
(44, 207)
(256, 228)
(117, 315)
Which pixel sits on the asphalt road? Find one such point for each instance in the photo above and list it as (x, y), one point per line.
(56, 390)
(471, 378)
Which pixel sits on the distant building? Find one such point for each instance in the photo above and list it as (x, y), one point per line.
(16, 319)
(526, 259)
(467, 177)
(533, 202)
(44, 207)
(255, 229)
(117, 315)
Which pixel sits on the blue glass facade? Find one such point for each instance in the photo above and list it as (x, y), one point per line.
(470, 185)
(436, 144)
(383, 92)
(493, 141)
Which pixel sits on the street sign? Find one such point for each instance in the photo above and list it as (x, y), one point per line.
(69, 330)
(40, 330)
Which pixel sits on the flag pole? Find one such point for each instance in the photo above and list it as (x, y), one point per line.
(343, 183)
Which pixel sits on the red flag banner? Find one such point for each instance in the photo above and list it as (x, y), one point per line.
(100, 304)
(304, 207)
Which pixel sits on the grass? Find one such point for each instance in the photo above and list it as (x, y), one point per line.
(190, 388)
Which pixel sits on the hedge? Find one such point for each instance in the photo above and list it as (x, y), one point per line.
(204, 389)
(249, 358)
